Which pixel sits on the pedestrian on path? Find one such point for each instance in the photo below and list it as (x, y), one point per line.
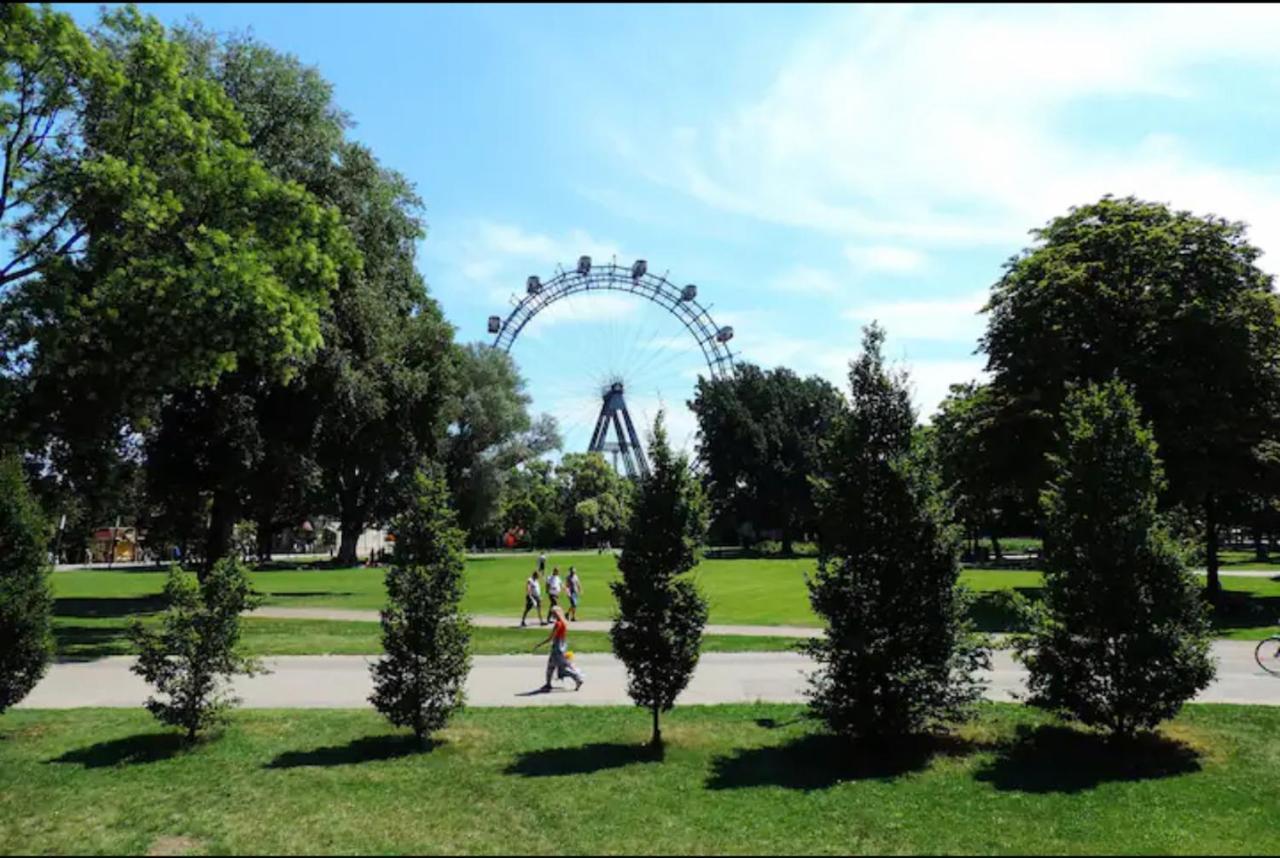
(542, 563)
(532, 598)
(554, 586)
(558, 662)
(574, 585)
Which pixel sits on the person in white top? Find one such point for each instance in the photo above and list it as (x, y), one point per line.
(532, 598)
(574, 585)
(554, 585)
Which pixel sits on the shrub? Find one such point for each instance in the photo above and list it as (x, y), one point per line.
(899, 655)
(1123, 639)
(420, 681)
(657, 631)
(26, 607)
(194, 654)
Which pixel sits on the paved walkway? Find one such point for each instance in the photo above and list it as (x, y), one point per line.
(289, 613)
(511, 680)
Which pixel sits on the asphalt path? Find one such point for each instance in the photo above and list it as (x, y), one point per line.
(343, 682)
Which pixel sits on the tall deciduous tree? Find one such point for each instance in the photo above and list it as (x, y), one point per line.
(1172, 303)
(657, 632)
(26, 605)
(759, 434)
(1124, 639)
(420, 681)
(899, 655)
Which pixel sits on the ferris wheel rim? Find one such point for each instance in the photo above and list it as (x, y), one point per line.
(696, 318)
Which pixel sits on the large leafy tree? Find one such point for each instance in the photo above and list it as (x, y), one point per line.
(151, 250)
(594, 498)
(1123, 639)
(490, 433)
(1173, 304)
(759, 432)
(657, 633)
(899, 655)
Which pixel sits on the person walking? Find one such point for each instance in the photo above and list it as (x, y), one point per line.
(532, 598)
(574, 585)
(542, 563)
(558, 661)
(554, 587)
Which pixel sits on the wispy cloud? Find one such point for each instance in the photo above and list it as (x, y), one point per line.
(946, 320)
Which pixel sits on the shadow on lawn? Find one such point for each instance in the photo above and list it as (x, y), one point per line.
(366, 750)
(130, 751)
(818, 761)
(582, 760)
(108, 606)
(88, 643)
(300, 594)
(1051, 759)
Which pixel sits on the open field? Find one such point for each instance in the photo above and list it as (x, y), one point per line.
(93, 606)
(752, 778)
(82, 639)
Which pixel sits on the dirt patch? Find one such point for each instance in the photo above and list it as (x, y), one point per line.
(174, 845)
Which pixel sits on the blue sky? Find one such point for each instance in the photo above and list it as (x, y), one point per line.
(809, 168)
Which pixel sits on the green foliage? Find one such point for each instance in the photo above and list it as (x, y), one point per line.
(759, 434)
(1171, 303)
(26, 605)
(899, 655)
(195, 652)
(657, 631)
(420, 681)
(592, 495)
(1124, 639)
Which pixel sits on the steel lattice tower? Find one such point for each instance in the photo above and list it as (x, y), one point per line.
(613, 412)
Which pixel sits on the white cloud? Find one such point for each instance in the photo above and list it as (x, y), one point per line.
(955, 320)
(937, 125)
(803, 279)
(889, 260)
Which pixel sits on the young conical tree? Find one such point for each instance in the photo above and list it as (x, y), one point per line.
(657, 631)
(1123, 639)
(420, 681)
(195, 651)
(26, 606)
(899, 655)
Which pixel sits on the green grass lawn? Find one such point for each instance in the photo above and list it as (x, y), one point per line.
(749, 591)
(734, 779)
(87, 639)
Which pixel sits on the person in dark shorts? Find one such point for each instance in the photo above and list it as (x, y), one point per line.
(574, 585)
(532, 598)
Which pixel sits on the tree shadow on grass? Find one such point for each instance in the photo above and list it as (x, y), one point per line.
(88, 643)
(300, 594)
(366, 750)
(817, 761)
(1245, 610)
(582, 760)
(108, 607)
(131, 751)
(1051, 759)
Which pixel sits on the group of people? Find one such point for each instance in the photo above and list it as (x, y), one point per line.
(555, 587)
(560, 661)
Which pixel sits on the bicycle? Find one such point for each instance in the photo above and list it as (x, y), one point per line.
(1267, 655)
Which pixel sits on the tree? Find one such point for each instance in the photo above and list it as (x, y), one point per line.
(1171, 303)
(490, 433)
(26, 606)
(531, 504)
(420, 681)
(1123, 640)
(657, 631)
(758, 438)
(973, 456)
(593, 497)
(196, 647)
(899, 655)
(151, 251)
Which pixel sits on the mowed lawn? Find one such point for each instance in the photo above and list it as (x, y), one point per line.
(742, 591)
(734, 779)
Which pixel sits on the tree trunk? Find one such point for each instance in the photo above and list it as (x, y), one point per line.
(995, 547)
(266, 535)
(351, 531)
(656, 739)
(1213, 586)
(1259, 547)
(222, 522)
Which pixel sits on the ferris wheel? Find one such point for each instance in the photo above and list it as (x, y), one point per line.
(656, 340)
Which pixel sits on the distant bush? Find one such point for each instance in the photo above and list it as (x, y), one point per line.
(773, 548)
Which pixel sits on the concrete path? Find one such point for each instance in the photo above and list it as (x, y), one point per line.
(289, 613)
(511, 680)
